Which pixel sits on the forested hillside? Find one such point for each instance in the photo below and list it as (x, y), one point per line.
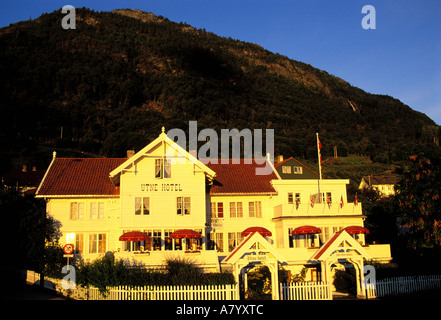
(110, 84)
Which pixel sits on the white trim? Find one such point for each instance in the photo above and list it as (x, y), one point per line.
(245, 245)
(334, 244)
(44, 177)
(161, 139)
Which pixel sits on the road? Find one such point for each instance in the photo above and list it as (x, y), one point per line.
(28, 292)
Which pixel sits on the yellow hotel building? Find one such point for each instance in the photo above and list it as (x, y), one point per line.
(205, 211)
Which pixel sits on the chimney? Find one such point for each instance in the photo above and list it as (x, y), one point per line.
(24, 168)
(130, 153)
(279, 158)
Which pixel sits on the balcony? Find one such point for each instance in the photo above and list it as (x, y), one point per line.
(319, 209)
(379, 251)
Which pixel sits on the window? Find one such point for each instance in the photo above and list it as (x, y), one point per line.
(194, 244)
(328, 197)
(97, 243)
(220, 242)
(297, 197)
(183, 205)
(294, 198)
(303, 240)
(236, 210)
(316, 197)
(324, 236)
(298, 170)
(96, 210)
(76, 210)
(286, 169)
(79, 242)
(162, 171)
(255, 209)
(178, 244)
(77, 239)
(234, 239)
(211, 243)
(155, 236)
(142, 205)
(133, 245)
(168, 242)
(217, 209)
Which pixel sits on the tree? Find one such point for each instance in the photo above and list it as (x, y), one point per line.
(28, 229)
(417, 201)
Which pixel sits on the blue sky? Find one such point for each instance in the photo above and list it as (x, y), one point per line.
(400, 58)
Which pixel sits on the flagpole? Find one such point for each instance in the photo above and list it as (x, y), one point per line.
(318, 154)
(320, 168)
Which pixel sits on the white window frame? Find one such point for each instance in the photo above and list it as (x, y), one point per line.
(95, 239)
(215, 210)
(183, 206)
(236, 210)
(298, 170)
(79, 212)
(162, 168)
(256, 211)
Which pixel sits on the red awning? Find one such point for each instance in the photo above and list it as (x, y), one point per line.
(185, 233)
(134, 236)
(306, 230)
(356, 229)
(263, 232)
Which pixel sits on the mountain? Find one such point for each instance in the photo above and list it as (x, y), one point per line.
(111, 84)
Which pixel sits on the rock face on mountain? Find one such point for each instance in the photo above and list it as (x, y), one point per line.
(111, 84)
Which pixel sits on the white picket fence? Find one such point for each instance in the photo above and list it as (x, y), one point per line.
(198, 292)
(306, 291)
(402, 285)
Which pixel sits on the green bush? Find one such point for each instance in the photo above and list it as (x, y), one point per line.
(344, 281)
(108, 271)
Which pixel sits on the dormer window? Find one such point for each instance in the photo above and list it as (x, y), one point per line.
(162, 171)
(286, 169)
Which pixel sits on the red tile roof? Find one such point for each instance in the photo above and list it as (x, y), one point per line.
(80, 176)
(90, 176)
(240, 178)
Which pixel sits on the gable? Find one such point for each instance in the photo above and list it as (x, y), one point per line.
(380, 180)
(252, 245)
(340, 245)
(294, 169)
(161, 147)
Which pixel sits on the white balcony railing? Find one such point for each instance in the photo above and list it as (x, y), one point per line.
(318, 209)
